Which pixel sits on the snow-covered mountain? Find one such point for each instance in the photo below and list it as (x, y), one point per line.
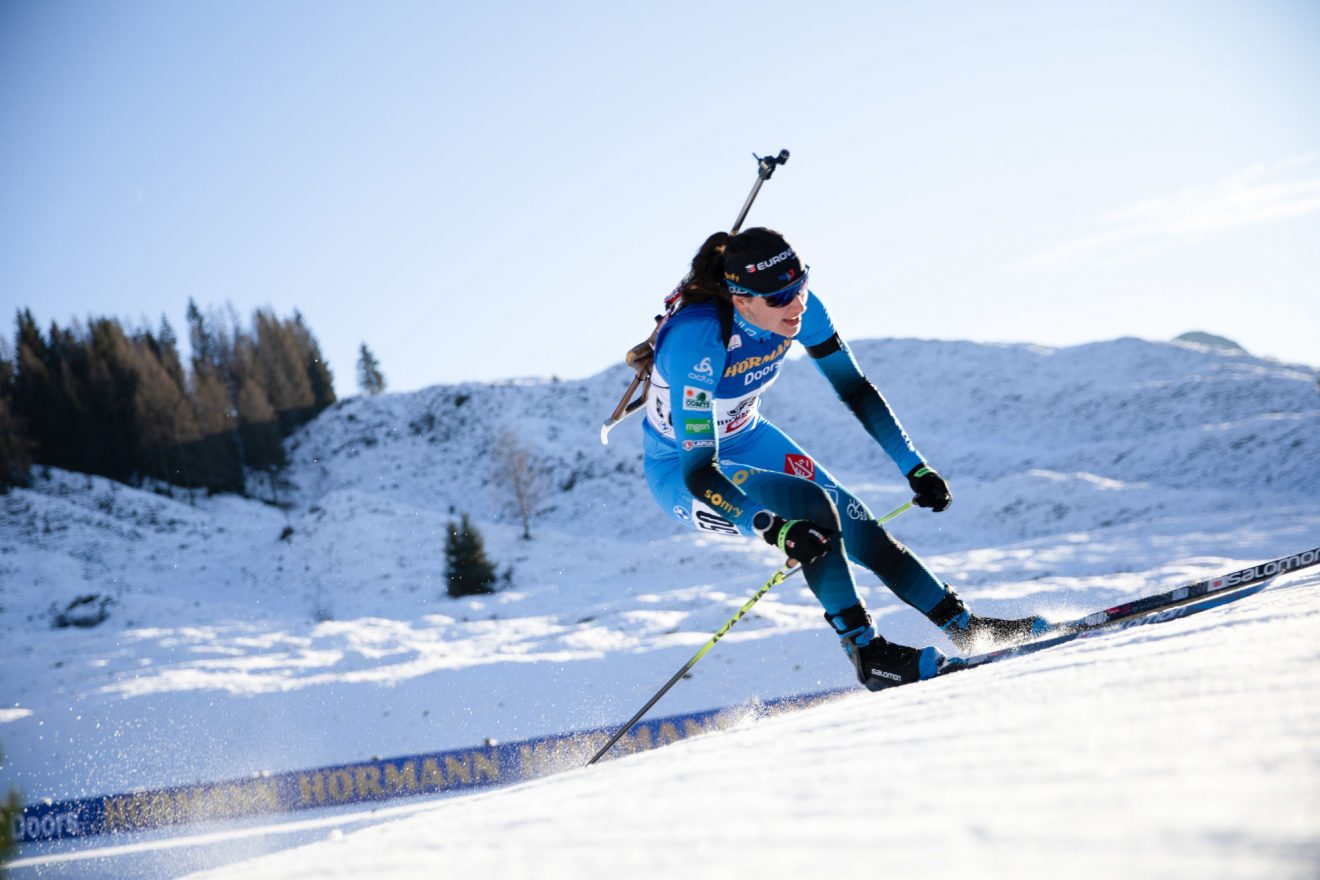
(245, 635)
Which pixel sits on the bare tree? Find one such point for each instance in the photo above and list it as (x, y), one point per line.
(519, 472)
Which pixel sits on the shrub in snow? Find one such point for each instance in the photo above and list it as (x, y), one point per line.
(85, 612)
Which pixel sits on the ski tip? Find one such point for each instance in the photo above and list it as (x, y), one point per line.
(605, 433)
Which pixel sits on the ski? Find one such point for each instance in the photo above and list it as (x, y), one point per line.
(1157, 608)
(1190, 592)
(1162, 615)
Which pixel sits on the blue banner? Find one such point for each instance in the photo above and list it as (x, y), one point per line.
(375, 780)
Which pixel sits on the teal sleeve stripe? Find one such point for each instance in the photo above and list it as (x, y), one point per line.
(870, 407)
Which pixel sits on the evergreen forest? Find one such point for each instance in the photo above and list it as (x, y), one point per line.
(102, 398)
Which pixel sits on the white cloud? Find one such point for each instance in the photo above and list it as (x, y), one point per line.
(1263, 193)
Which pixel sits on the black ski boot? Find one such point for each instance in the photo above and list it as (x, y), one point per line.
(972, 633)
(881, 664)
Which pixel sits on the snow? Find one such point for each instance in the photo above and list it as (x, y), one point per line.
(1081, 476)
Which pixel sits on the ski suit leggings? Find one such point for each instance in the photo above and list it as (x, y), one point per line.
(756, 461)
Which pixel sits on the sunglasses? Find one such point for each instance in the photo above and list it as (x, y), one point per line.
(775, 299)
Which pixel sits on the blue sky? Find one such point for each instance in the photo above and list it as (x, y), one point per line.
(490, 190)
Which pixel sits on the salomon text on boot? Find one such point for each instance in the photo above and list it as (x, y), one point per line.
(880, 664)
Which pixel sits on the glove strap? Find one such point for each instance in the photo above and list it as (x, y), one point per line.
(920, 472)
(783, 535)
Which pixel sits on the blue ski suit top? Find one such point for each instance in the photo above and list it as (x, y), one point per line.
(713, 461)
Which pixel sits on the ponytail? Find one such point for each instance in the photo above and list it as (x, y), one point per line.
(704, 282)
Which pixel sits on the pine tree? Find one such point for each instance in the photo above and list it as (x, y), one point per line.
(201, 336)
(258, 428)
(15, 443)
(318, 371)
(370, 379)
(467, 570)
(164, 422)
(166, 346)
(107, 391)
(281, 369)
(34, 396)
(218, 457)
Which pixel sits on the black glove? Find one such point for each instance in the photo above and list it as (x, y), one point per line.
(930, 487)
(801, 540)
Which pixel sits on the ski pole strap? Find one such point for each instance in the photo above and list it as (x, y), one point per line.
(783, 534)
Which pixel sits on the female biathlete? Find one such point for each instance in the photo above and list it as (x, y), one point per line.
(713, 462)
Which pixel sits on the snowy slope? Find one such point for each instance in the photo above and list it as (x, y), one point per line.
(1081, 476)
(1188, 750)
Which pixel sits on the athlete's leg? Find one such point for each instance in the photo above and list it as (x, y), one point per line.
(866, 541)
(869, 543)
(829, 577)
(877, 662)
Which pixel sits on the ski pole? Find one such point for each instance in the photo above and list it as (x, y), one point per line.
(777, 578)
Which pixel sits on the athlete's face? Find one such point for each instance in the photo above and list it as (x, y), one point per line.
(785, 320)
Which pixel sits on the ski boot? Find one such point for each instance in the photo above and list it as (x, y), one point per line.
(972, 633)
(881, 664)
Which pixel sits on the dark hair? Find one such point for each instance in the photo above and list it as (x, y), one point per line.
(704, 282)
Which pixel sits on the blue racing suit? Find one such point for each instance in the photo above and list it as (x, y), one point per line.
(712, 461)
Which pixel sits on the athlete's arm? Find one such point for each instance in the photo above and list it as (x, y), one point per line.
(835, 361)
(691, 356)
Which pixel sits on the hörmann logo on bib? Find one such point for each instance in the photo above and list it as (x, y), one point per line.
(773, 261)
(751, 363)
